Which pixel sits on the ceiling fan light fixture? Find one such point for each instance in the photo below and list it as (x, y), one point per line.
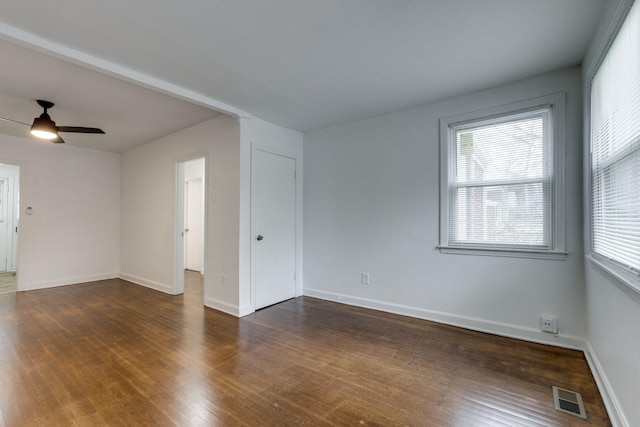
(44, 127)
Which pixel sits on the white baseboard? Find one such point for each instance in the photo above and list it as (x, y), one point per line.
(167, 289)
(213, 303)
(481, 325)
(224, 307)
(616, 415)
(245, 310)
(65, 282)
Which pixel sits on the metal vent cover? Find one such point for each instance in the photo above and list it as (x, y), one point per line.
(569, 401)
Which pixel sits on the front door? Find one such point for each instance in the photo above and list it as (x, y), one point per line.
(273, 227)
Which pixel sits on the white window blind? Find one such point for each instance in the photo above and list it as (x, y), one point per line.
(615, 148)
(500, 181)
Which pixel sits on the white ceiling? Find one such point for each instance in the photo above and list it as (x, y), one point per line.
(303, 64)
(129, 114)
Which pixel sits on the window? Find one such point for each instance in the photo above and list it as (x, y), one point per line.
(501, 183)
(615, 152)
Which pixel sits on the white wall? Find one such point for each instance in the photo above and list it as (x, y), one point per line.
(372, 205)
(613, 333)
(258, 131)
(73, 234)
(148, 208)
(613, 315)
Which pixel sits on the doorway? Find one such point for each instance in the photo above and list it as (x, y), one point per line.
(194, 224)
(9, 216)
(190, 251)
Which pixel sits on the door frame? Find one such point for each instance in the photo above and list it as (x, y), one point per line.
(179, 218)
(298, 221)
(19, 221)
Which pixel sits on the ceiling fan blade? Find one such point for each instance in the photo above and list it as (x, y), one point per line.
(79, 129)
(14, 121)
(58, 140)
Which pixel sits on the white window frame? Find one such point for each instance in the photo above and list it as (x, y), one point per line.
(556, 249)
(621, 276)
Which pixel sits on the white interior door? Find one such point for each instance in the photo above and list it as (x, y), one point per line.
(273, 227)
(194, 230)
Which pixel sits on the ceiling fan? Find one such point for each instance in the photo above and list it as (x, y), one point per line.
(45, 128)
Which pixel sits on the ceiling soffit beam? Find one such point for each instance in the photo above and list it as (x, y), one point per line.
(56, 50)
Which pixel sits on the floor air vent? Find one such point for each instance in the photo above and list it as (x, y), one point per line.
(569, 401)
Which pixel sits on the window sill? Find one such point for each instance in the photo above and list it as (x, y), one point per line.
(510, 253)
(625, 280)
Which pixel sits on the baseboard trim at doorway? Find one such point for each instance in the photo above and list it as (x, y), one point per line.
(147, 283)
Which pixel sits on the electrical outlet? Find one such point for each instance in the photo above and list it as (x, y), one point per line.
(364, 278)
(549, 324)
(223, 280)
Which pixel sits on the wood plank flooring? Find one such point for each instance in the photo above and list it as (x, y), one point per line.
(114, 353)
(7, 284)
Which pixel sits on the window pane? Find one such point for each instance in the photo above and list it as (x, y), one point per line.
(615, 92)
(517, 149)
(502, 214)
(617, 211)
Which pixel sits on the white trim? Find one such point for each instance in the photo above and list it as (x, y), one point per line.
(557, 223)
(67, 281)
(224, 307)
(495, 182)
(57, 50)
(500, 252)
(611, 403)
(245, 310)
(273, 150)
(626, 281)
(475, 324)
(156, 286)
(178, 229)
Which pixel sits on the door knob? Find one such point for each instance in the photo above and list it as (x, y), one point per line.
(259, 238)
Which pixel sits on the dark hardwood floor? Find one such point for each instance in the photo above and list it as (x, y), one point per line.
(114, 353)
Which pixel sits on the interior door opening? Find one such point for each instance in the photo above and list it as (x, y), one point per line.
(194, 225)
(9, 217)
(191, 229)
